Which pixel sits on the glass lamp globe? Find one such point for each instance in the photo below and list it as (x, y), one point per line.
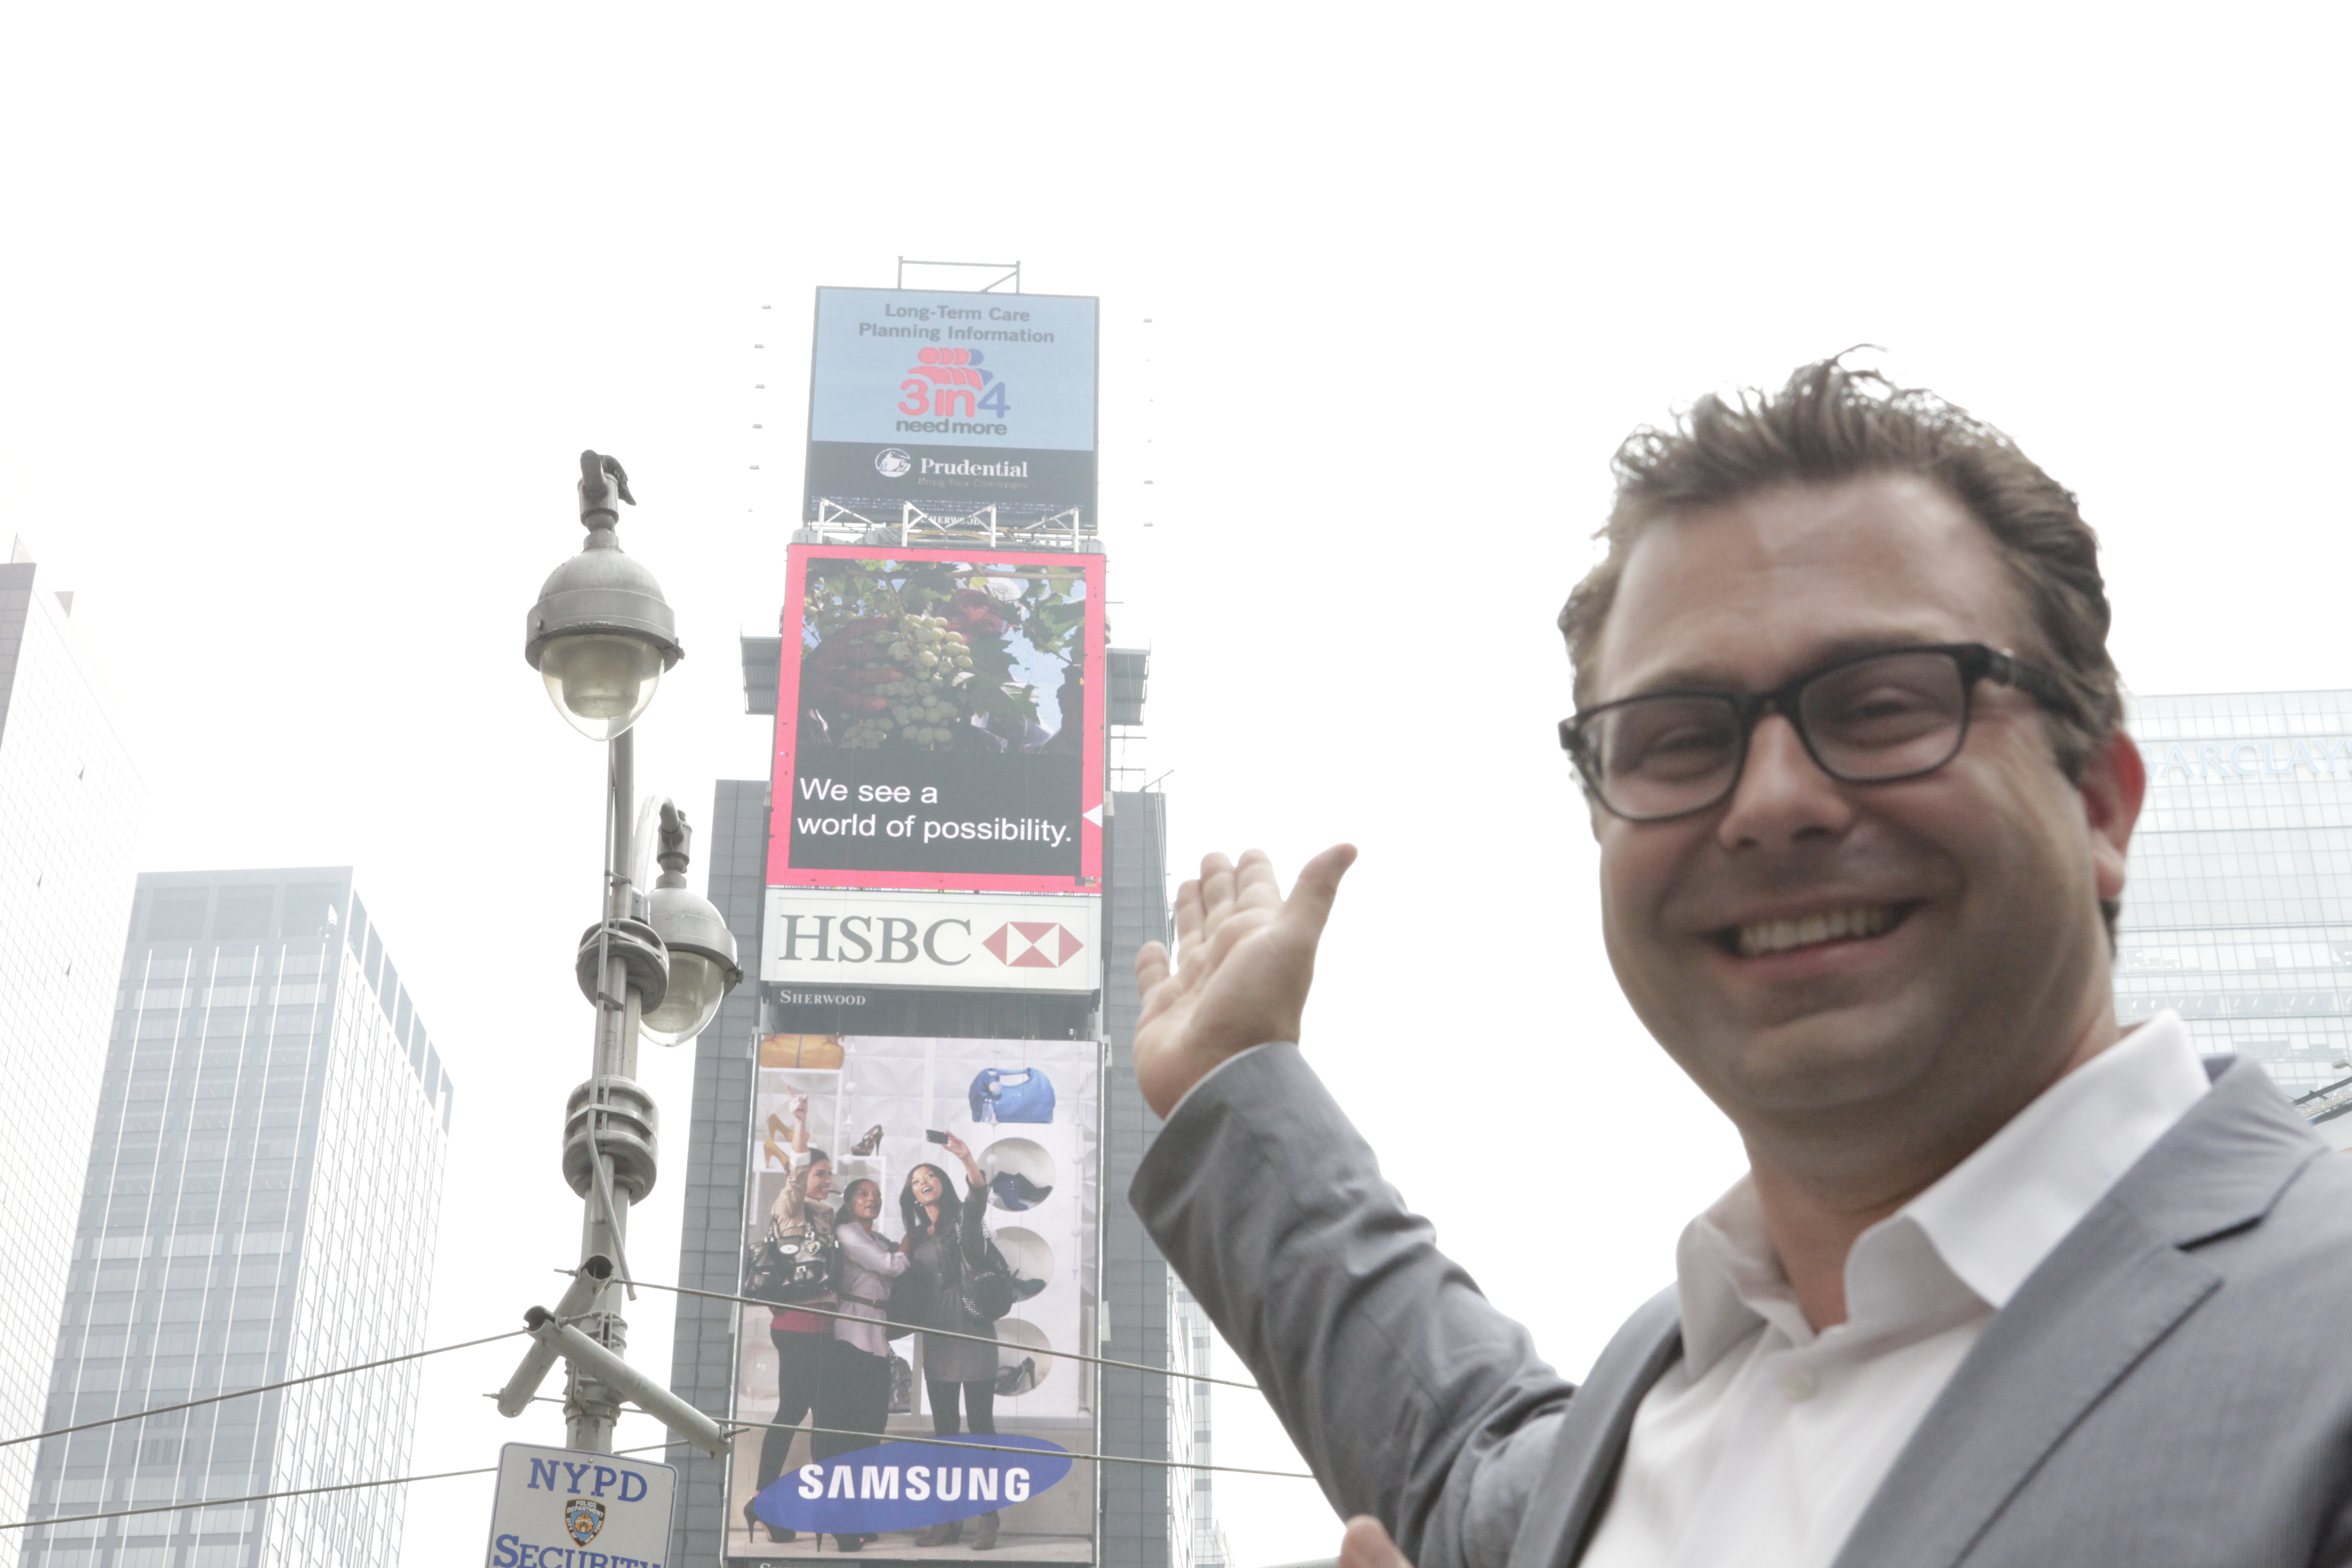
(696, 986)
(600, 682)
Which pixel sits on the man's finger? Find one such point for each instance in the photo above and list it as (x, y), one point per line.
(1151, 966)
(1188, 916)
(1318, 884)
(1367, 1545)
(1216, 886)
(1255, 881)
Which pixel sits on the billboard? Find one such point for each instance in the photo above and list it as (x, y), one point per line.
(954, 402)
(882, 1108)
(939, 721)
(822, 937)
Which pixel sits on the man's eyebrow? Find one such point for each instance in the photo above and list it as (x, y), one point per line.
(1703, 677)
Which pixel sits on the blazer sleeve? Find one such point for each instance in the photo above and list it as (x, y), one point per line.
(1412, 1398)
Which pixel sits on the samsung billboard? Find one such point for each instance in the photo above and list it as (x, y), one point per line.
(955, 1184)
(953, 402)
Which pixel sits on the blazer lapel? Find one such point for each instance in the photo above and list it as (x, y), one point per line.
(2120, 1281)
(1591, 1438)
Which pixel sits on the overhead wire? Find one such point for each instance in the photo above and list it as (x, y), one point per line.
(949, 1335)
(888, 1437)
(734, 1426)
(737, 1426)
(263, 1388)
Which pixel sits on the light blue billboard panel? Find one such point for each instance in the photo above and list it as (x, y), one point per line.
(907, 367)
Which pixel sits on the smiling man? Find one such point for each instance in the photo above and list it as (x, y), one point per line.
(2005, 1284)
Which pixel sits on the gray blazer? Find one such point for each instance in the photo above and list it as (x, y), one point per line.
(2173, 1385)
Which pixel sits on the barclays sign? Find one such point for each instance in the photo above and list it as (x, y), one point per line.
(2193, 760)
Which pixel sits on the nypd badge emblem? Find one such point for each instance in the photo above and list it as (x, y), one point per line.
(584, 1517)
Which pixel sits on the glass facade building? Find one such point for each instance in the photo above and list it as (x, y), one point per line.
(2238, 909)
(71, 805)
(1195, 1540)
(261, 1199)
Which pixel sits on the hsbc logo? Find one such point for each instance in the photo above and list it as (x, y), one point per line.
(1032, 944)
(818, 941)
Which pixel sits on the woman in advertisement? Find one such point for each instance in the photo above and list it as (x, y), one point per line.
(947, 1238)
(856, 1396)
(804, 1340)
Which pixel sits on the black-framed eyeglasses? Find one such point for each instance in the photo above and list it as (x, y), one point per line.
(1874, 718)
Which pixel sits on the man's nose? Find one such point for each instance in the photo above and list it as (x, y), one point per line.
(1782, 794)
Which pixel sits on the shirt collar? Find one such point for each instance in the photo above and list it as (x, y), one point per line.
(1984, 1226)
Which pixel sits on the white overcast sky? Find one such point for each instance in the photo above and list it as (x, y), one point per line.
(308, 309)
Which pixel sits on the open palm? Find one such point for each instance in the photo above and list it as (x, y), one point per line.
(1245, 958)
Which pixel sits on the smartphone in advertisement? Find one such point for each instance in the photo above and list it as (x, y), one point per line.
(935, 1135)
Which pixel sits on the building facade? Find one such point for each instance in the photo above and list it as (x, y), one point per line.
(70, 806)
(1195, 1540)
(2237, 911)
(1136, 1527)
(260, 1201)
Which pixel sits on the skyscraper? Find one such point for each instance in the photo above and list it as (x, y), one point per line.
(261, 1200)
(2237, 911)
(69, 816)
(1196, 1539)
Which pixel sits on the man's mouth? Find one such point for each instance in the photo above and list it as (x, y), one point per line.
(1761, 939)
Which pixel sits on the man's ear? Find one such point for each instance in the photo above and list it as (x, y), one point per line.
(2114, 785)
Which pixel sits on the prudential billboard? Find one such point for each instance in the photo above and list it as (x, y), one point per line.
(954, 402)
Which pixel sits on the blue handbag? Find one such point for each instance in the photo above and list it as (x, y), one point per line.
(1012, 1094)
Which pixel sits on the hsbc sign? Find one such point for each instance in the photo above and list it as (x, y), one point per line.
(957, 941)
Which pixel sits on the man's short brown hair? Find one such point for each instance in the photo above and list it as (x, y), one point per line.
(1832, 422)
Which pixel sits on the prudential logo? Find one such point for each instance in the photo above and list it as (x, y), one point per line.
(891, 463)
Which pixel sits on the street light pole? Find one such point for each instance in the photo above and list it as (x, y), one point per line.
(601, 635)
(589, 1408)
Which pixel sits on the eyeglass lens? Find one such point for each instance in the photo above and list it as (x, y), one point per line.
(1887, 717)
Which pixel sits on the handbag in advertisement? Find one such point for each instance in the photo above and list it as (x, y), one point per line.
(1012, 1094)
(794, 1266)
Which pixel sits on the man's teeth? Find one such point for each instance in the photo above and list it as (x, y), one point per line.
(1779, 936)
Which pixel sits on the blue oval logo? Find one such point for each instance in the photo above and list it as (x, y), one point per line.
(909, 1485)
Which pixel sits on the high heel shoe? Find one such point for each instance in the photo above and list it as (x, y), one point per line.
(1016, 1380)
(871, 1141)
(753, 1524)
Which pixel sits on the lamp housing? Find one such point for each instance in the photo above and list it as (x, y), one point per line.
(601, 634)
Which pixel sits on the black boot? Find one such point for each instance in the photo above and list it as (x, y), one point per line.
(983, 1538)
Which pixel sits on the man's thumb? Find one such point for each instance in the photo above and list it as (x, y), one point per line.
(1367, 1545)
(1317, 886)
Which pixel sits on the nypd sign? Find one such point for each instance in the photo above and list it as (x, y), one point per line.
(567, 1507)
(829, 937)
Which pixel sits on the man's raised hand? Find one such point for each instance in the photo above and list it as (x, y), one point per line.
(1244, 958)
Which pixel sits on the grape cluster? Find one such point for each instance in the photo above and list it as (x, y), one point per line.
(912, 688)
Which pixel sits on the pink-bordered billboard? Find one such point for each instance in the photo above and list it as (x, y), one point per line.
(940, 721)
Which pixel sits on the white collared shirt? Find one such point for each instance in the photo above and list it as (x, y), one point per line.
(1763, 1445)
